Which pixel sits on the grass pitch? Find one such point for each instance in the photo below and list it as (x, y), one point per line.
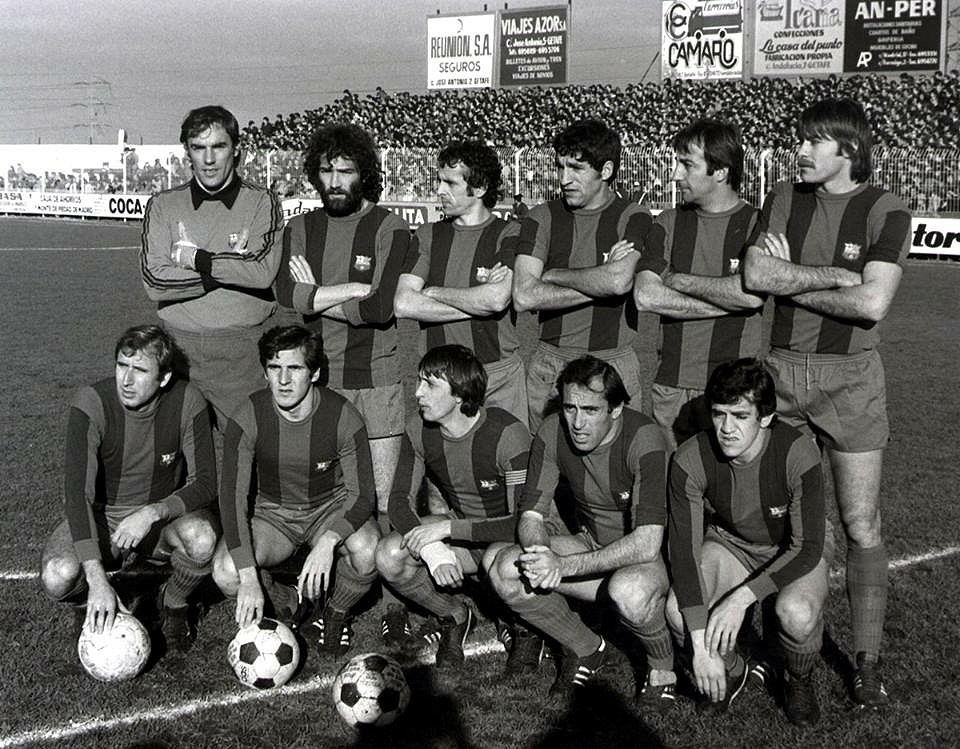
(62, 311)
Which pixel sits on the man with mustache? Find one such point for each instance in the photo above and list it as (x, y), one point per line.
(690, 275)
(830, 249)
(575, 265)
(339, 269)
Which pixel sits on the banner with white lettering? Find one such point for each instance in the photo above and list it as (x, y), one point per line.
(533, 46)
(893, 36)
(460, 51)
(80, 205)
(702, 39)
(796, 37)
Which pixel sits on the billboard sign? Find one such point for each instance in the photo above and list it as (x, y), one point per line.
(534, 44)
(460, 51)
(893, 36)
(702, 39)
(798, 37)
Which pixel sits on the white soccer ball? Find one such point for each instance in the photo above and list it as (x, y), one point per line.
(265, 654)
(370, 690)
(116, 654)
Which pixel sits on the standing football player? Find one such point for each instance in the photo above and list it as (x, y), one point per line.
(307, 448)
(209, 258)
(830, 248)
(140, 479)
(477, 457)
(575, 265)
(760, 483)
(615, 460)
(689, 275)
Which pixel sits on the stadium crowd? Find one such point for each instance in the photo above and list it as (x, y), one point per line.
(905, 112)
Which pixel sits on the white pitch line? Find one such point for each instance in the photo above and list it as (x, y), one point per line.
(68, 249)
(186, 709)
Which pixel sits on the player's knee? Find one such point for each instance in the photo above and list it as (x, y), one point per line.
(637, 598)
(798, 616)
(391, 557)
(505, 574)
(863, 531)
(59, 576)
(225, 572)
(197, 538)
(490, 556)
(672, 613)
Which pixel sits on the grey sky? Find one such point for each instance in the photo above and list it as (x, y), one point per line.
(75, 68)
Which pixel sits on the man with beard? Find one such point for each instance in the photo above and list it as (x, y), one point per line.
(209, 259)
(339, 269)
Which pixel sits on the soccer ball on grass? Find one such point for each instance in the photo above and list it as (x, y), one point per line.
(370, 690)
(116, 654)
(264, 654)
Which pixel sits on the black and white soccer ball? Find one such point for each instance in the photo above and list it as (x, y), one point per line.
(116, 654)
(264, 654)
(370, 690)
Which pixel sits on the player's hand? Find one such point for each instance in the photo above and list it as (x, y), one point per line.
(183, 252)
(725, 620)
(499, 273)
(133, 528)
(250, 602)
(416, 538)
(541, 566)
(300, 270)
(102, 607)
(776, 245)
(315, 575)
(448, 575)
(847, 278)
(619, 251)
(710, 675)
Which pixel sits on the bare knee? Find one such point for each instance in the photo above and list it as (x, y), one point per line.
(798, 615)
(391, 557)
(59, 575)
(361, 547)
(490, 555)
(638, 597)
(196, 538)
(505, 575)
(225, 573)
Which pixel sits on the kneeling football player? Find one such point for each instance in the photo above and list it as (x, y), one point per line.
(307, 447)
(477, 458)
(139, 479)
(761, 482)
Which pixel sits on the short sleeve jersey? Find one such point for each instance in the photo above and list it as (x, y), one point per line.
(564, 238)
(461, 257)
(480, 475)
(123, 458)
(617, 487)
(868, 224)
(774, 503)
(323, 459)
(689, 240)
(371, 247)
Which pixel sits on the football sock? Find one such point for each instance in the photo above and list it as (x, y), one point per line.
(734, 664)
(187, 575)
(349, 585)
(657, 643)
(387, 595)
(420, 589)
(867, 593)
(551, 615)
(77, 595)
(801, 655)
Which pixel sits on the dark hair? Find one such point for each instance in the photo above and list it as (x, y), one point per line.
(481, 165)
(743, 378)
(844, 121)
(150, 339)
(584, 370)
(198, 120)
(459, 366)
(348, 142)
(290, 337)
(721, 146)
(591, 141)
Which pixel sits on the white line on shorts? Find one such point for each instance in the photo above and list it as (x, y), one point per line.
(185, 709)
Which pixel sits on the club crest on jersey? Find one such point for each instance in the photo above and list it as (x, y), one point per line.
(604, 257)
(778, 512)
(625, 496)
(488, 485)
(482, 274)
(733, 266)
(362, 262)
(322, 466)
(166, 459)
(851, 251)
